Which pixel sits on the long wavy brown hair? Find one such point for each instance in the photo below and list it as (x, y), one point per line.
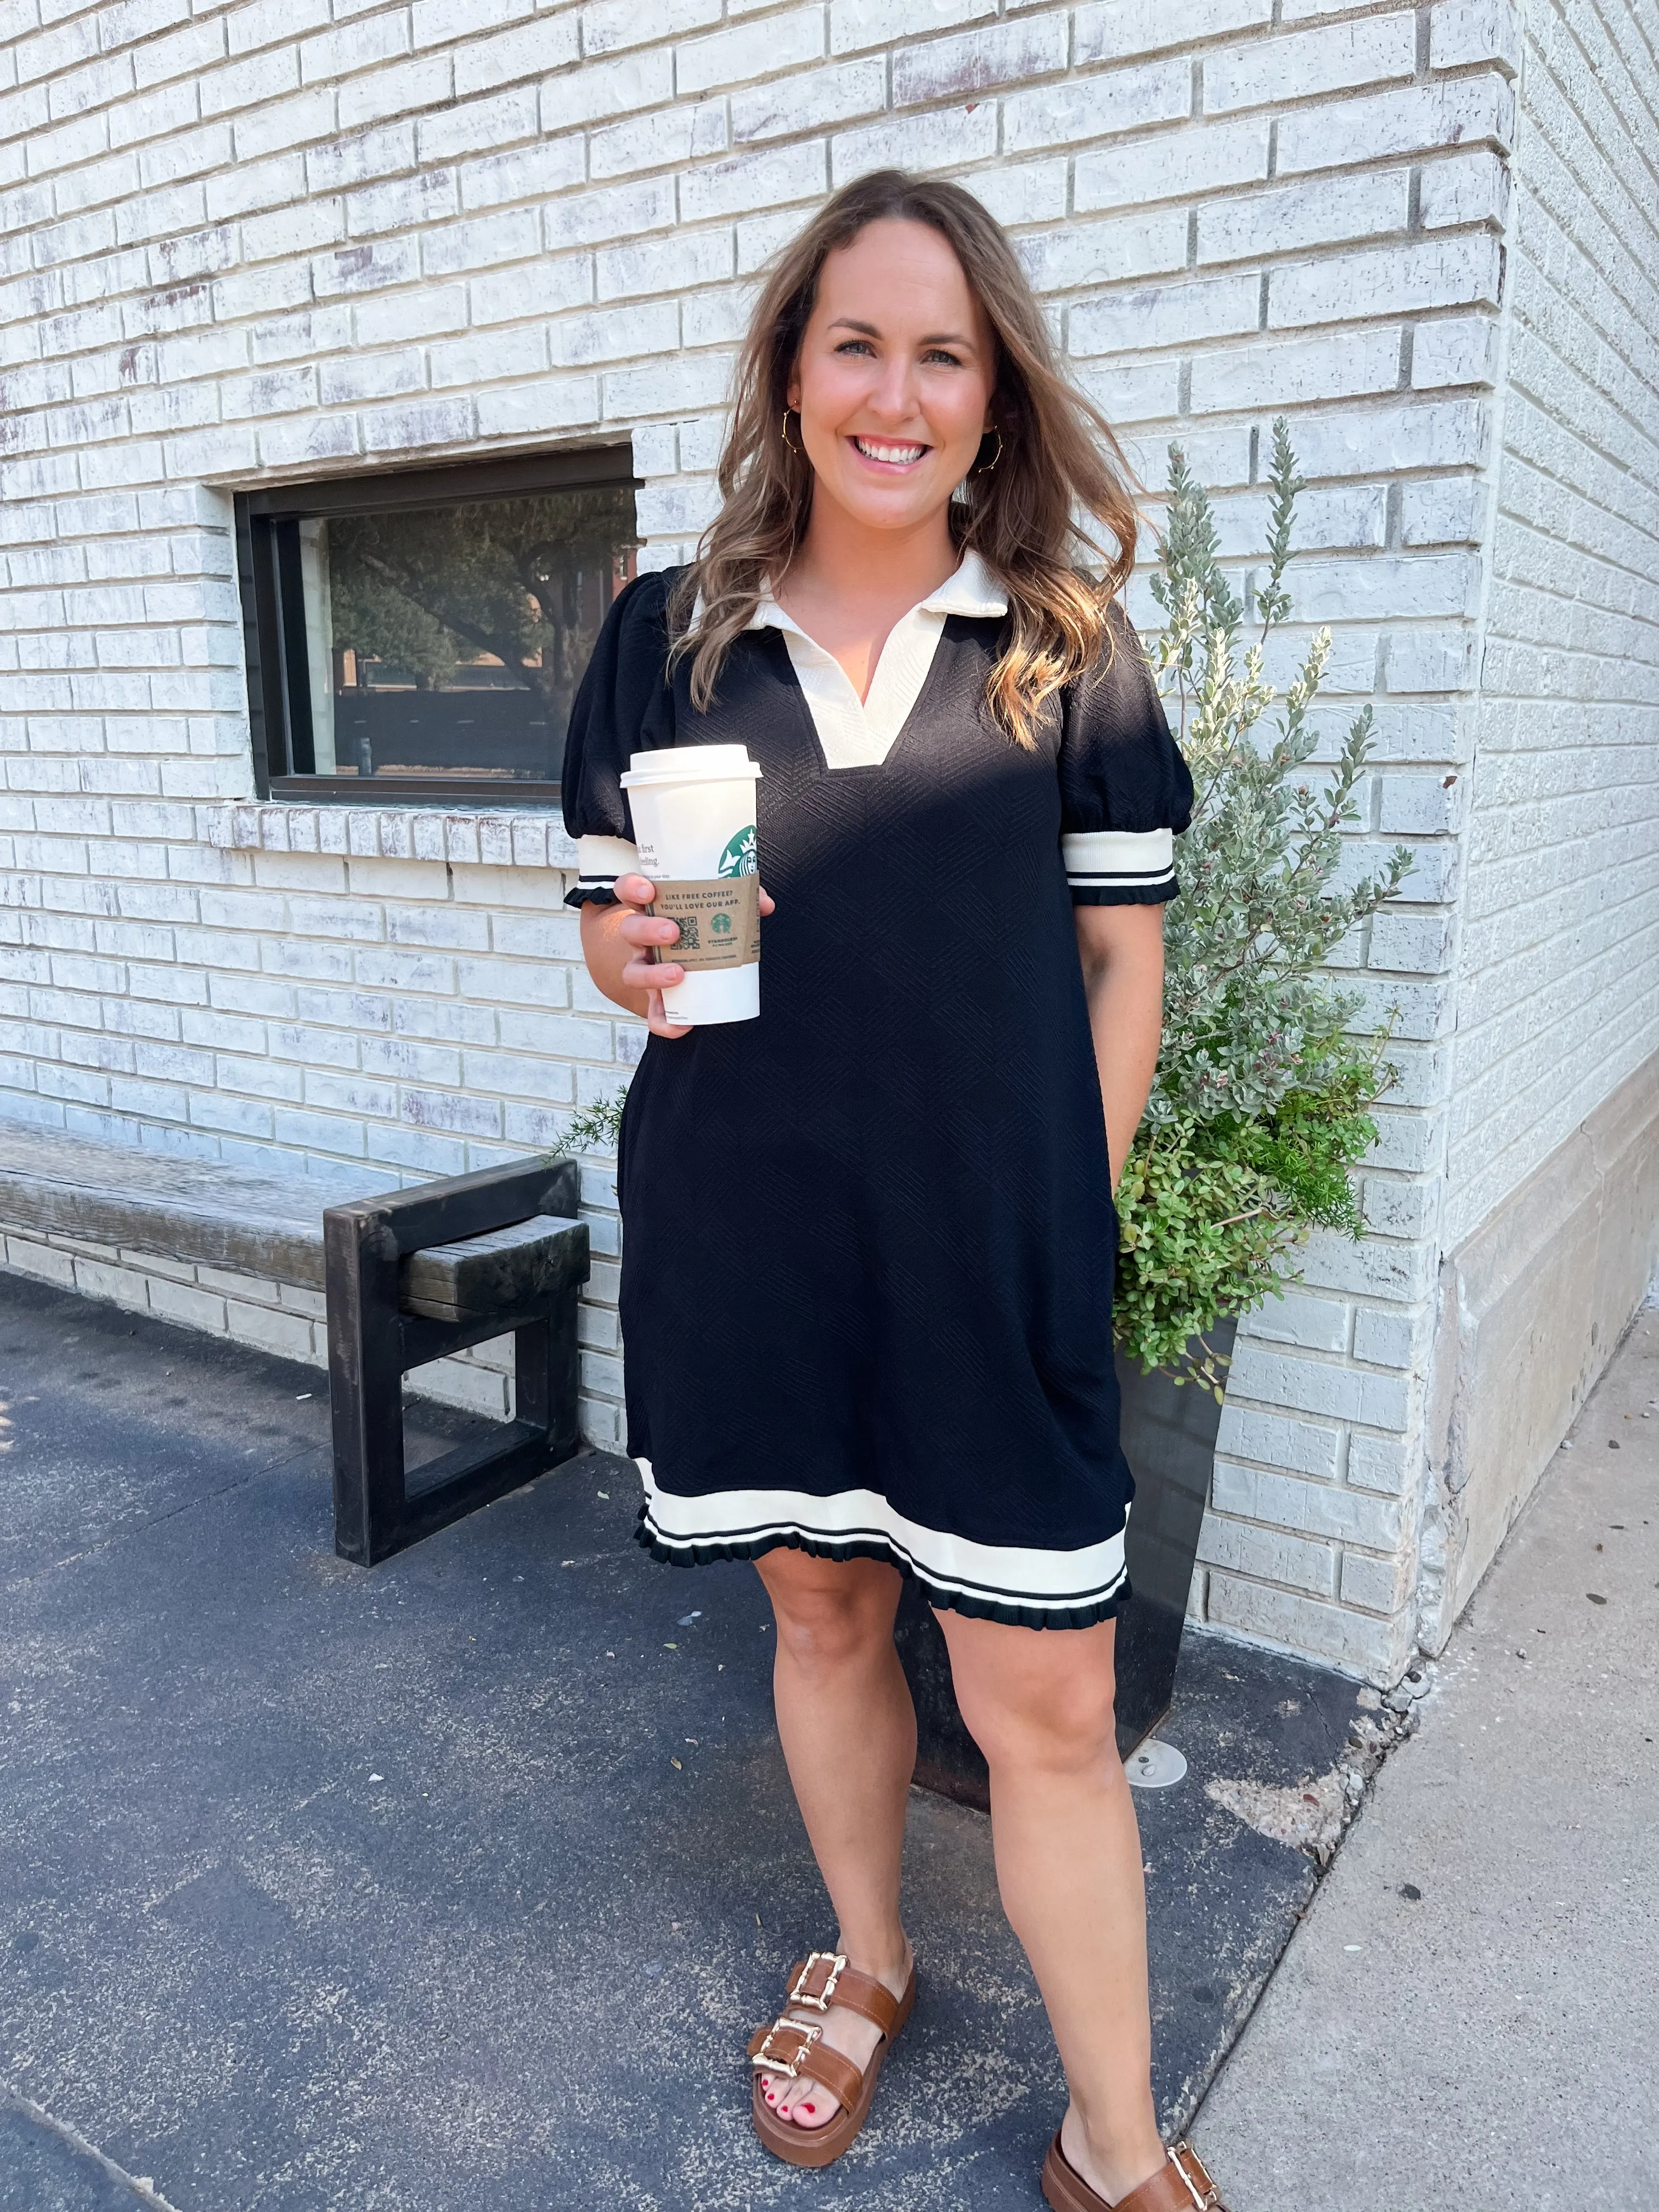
(1030, 517)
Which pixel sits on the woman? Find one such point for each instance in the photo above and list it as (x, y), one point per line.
(866, 1287)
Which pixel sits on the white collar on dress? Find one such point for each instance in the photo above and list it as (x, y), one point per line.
(971, 589)
(859, 733)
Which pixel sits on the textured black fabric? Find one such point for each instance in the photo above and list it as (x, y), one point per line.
(1119, 767)
(870, 1236)
(623, 705)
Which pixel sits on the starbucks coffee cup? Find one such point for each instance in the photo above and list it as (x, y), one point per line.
(694, 825)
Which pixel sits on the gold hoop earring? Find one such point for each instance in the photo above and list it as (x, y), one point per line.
(995, 458)
(783, 431)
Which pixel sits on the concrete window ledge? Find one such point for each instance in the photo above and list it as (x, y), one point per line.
(471, 836)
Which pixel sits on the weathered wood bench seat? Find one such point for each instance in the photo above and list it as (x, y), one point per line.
(502, 1271)
(253, 1223)
(409, 1276)
(244, 1219)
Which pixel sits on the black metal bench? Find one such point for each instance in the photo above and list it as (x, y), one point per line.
(409, 1277)
(413, 1275)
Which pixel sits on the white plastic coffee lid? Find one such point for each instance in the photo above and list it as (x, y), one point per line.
(690, 764)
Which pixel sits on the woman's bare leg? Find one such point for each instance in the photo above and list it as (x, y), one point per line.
(1039, 1704)
(848, 1731)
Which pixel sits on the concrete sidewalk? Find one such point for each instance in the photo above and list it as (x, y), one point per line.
(1470, 2012)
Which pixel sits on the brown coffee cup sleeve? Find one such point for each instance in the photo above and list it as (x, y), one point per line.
(718, 919)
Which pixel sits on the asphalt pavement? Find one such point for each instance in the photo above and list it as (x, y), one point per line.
(460, 1881)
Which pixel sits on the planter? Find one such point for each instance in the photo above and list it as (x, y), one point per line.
(1169, 1438)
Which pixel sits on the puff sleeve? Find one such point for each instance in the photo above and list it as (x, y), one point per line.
(1125, 791)
(623, 706)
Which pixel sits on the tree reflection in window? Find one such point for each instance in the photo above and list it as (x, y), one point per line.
(489, 596)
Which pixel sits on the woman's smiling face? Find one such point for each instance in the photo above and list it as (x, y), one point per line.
(894, 378)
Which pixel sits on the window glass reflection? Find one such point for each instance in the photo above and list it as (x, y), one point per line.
(449, 640)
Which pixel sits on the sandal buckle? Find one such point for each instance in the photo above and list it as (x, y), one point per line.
(764, 2062)
(1190, 2167)
(800, 1995)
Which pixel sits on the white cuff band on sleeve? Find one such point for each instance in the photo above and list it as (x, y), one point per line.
(1109, 859)
(600, 861)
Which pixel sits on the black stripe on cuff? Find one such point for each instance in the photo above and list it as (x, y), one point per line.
(1152, 893)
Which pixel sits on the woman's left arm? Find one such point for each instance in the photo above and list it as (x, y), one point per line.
(1122, 953)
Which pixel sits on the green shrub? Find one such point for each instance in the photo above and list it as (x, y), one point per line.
(1260, 1104)
(596, 1128)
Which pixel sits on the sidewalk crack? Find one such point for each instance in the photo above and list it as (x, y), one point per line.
(144, 2189)
(159, 1520)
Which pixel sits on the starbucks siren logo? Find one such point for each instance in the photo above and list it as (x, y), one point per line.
(721, 925)
(740, 858)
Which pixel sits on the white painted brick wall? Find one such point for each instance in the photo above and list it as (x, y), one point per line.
(1559, 988)
(284, 1318)
(276, 240)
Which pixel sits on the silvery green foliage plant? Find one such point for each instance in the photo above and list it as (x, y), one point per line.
(597, 1127)
(1260, 1104)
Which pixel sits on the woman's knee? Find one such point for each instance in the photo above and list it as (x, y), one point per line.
(1037, 1703)
(829, 1613)
(1067, 1733)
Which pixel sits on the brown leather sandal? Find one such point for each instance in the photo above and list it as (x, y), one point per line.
(1182, 2186)
(790, 2048)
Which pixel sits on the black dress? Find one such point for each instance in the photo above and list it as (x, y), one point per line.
(867, 1288)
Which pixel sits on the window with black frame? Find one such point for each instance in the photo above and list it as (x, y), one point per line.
(428, 629)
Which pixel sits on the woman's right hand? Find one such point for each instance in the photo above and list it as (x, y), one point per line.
(637, 981)
(644, 933)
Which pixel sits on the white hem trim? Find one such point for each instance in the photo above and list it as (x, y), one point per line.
(995, 1574)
